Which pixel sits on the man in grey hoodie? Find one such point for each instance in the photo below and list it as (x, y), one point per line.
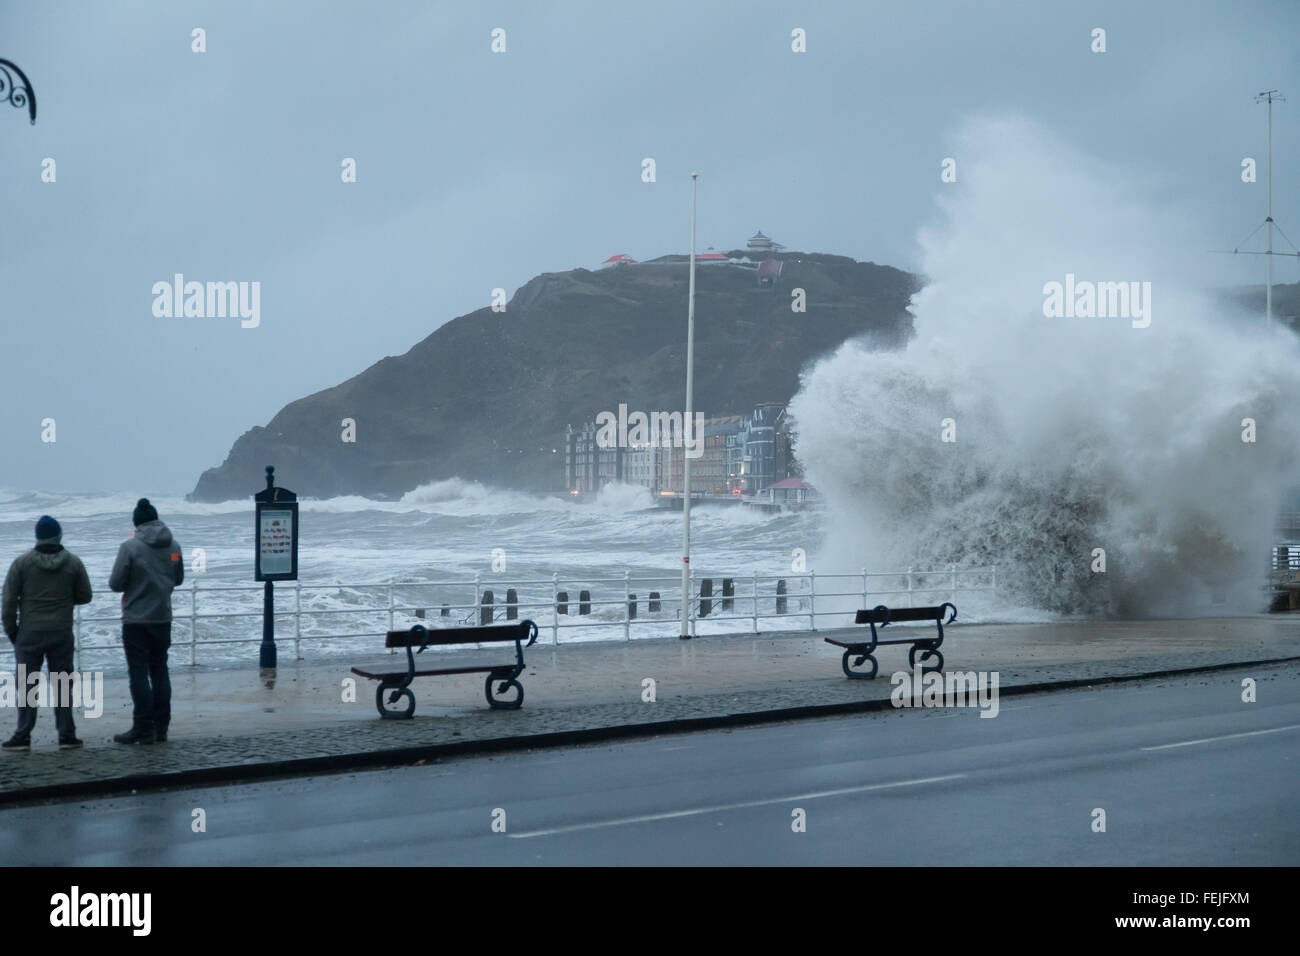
(148, 566)
(40, 590)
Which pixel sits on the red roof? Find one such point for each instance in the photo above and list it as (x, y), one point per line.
(710, 255)
(621, 257)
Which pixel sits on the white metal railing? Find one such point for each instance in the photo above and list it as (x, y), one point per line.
(1285, 557)
(771, 601)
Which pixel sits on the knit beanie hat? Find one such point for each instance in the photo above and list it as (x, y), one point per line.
(48, 531)
(143, 512)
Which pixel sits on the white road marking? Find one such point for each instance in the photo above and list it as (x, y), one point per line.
(1207, 740)
(718, 808)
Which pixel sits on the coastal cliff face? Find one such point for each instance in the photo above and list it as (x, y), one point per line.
(487, 396)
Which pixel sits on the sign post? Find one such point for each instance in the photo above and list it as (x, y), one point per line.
(275, 557)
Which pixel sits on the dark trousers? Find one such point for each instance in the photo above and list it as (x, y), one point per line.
(146, 664)
(31, 650)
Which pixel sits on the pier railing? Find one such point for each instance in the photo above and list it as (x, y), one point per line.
(216, 617)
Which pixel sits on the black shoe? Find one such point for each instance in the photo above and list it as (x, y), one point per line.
(159, 734)
(17, 743)
(134, 736)
(69, 743)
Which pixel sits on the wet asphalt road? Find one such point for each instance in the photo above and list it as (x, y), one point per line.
(1186, 772)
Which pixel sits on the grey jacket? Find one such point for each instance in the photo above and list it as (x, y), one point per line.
(41, 588)
(148, 566)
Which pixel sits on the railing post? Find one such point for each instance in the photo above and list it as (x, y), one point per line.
(689, 601)
(297, 619)
(953, 569)
(478, 596)
(555, 609)
(993, 581)
(909, 586)
(627, 605)
(390, 607)
(76, 643)
(754, 592)
(864, 588)
(812, 600)
(194, 621)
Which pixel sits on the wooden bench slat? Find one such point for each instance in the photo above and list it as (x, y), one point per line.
(490, 634)
(902, 640)
(896, 615)
(467, 669)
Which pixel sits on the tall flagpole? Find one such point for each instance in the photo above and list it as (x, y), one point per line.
(687, 597)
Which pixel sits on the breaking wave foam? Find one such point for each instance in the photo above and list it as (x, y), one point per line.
(1071, 433)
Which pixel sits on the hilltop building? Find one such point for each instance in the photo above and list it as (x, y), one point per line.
(759, 244)
(762, 245)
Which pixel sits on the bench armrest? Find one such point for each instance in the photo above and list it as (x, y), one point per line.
(423, 633)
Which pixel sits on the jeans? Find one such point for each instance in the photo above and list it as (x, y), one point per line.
(31, 649)
(146, 664)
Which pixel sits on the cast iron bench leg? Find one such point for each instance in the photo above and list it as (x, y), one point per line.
(506, 680)
(863, 655)
(397, 691)
(928, 651)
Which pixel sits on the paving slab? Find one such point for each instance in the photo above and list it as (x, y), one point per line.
(228, 725)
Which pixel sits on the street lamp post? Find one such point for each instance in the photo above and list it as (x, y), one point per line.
(686, 424)
(16, 89)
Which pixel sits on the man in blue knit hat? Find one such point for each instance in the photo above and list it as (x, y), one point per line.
(148, 566)
(40, 590)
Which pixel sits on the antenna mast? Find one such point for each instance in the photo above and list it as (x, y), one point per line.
(1268, 96)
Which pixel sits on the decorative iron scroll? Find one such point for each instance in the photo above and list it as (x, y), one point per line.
(19, 92)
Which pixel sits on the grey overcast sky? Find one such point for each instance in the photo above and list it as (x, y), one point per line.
(477, 170)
